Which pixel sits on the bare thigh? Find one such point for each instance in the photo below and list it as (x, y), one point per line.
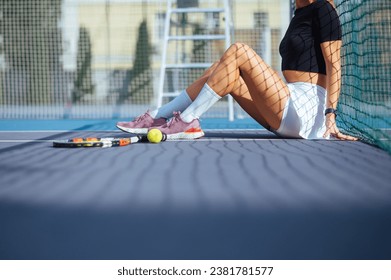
(243, 97)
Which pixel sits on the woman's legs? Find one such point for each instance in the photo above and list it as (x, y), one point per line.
(267, 90)
(240, 93)
(254, 85)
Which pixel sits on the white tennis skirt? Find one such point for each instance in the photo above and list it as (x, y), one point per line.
(303, 115)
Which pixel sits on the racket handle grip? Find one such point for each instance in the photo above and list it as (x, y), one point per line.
(144, 138)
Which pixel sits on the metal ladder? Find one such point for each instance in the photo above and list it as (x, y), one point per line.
(210, 37)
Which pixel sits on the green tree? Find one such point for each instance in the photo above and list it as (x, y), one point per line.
(83, 81)
(142, 85)
(138, 82)
(198, 52)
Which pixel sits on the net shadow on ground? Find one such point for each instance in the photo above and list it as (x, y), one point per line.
(231, 195)
(240, 134)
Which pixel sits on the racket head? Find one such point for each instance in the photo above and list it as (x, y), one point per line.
(76, 144)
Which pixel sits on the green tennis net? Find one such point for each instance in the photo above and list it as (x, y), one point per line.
(365, 102)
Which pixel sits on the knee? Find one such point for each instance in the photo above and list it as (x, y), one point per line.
(238, 49)
(239, 46)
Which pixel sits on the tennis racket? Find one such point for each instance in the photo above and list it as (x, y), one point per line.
(101, 142)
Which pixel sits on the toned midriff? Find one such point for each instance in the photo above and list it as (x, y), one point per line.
(292, 76)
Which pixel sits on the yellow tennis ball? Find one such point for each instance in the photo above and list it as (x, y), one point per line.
(154, 135)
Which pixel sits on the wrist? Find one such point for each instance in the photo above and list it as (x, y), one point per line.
(330, 111)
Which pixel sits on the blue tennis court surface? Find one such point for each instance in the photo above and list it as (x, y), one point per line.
(238, 193)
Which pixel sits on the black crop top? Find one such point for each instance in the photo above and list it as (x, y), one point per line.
(311, 25)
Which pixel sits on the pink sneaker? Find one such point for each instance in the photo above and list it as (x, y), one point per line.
(176, 128)
(141, 124)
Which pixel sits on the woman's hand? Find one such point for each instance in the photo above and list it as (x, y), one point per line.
(333, 131)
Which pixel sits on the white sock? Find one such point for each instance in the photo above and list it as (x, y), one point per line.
(205, 99)
(179, 103)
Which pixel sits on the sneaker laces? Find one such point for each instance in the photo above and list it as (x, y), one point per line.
(174, 119)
